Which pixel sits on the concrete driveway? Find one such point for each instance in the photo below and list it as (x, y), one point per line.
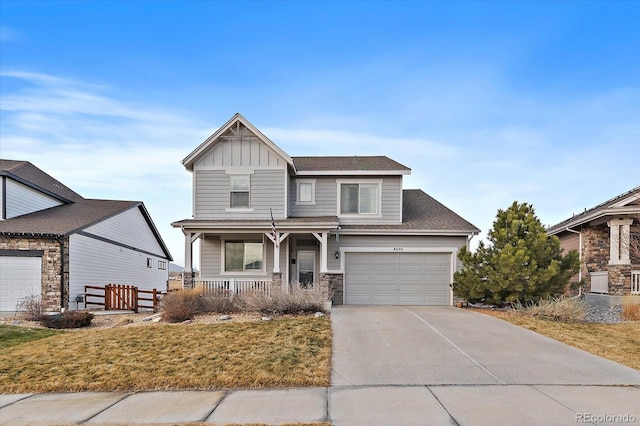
(395, 345)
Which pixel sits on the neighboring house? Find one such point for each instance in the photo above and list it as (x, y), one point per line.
(602, 236)
(53, 242)
(342, 225)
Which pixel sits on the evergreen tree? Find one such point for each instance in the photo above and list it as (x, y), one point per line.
(520, 263)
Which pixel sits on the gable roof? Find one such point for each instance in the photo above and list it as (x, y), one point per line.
(190, 159)
(67, 219)
(345, 165)
(627, 203)
(31, 176)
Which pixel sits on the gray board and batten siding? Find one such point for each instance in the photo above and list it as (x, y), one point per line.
(20, 199)
(234, 154)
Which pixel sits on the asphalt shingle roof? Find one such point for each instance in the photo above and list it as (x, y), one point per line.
(65, 219)
(24, 170)
(351, 163)
(420, 211)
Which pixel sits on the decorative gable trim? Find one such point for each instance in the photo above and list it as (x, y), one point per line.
(190, 159)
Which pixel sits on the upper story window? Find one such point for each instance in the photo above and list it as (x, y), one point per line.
(239, 191)
(243, 256)
(306, 191)
(359, 198)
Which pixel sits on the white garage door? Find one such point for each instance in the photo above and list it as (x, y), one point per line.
(19, 277)
(397, 278)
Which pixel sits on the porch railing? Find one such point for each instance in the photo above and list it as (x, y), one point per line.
(224, 287)
(635, 282)
(600, 282)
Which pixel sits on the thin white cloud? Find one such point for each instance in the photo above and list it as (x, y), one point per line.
(101, 146)
(334, 142)
(9, 34)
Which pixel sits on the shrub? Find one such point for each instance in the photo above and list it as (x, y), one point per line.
(294, 302)
(68, 319)
(182, 305)
(30, 307)
(560, 309)
(631, 308)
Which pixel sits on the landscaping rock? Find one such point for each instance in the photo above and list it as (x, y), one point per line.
(152, 317)
(604, 314)
(266, 319)
(318, 315)
(224, 317)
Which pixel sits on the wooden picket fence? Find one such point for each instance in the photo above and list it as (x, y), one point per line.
(121, 297)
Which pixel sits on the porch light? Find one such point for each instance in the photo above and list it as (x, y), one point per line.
(337, 254)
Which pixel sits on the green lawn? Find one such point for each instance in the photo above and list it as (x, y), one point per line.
(13, 336)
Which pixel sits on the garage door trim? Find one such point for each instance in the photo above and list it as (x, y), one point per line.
(453, 251)
(22, 253)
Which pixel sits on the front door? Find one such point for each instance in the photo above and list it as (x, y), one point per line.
(306, 268)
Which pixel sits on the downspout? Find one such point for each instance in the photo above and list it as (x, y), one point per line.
(579, 256)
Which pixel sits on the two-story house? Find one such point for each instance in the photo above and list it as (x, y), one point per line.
(54, 242)
(605, 237)
(343, 225)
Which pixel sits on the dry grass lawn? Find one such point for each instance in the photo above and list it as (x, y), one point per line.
(280, 353)
(617, 342)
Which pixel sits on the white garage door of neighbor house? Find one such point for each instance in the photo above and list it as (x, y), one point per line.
(19, 277)
(397, 278)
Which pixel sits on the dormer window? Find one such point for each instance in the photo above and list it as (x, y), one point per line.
(359, 198)
(239, 191)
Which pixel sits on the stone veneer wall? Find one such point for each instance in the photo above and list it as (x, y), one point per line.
(333, 284)
(595, 258)
(52, 265)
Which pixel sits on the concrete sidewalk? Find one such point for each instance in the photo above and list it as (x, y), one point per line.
(339, 405)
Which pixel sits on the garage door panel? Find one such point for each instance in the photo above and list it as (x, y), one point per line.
(20, 277)
(397, 278)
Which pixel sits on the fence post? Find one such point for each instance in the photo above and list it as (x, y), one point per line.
(155, 301)
(135, 298)
(107, 297)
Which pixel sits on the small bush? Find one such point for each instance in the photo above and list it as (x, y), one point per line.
(631, 308)
(30, 308)
(219, 304)
(179, 306)
(68, 319)
(294, 302)
(560, 309)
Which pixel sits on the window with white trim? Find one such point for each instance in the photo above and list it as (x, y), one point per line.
(359, 198)
(162, 265)
(243, 256)
(239, 191)
(306, 191)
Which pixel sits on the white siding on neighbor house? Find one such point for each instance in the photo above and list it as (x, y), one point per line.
(245, 150)
(326, 196)
(97, 263)
(267, 192)
(22, 199)
(398, 241)
(129, 228)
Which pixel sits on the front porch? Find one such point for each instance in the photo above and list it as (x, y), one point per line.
(265, 257)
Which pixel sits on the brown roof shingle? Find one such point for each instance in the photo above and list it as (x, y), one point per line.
(27, 173)
(351, 163)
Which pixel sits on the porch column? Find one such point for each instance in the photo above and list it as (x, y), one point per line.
(322, 238)
(276, 249)
(619, 241)
(188, 250)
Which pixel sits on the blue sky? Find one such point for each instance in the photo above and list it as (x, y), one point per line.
(486, 102)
